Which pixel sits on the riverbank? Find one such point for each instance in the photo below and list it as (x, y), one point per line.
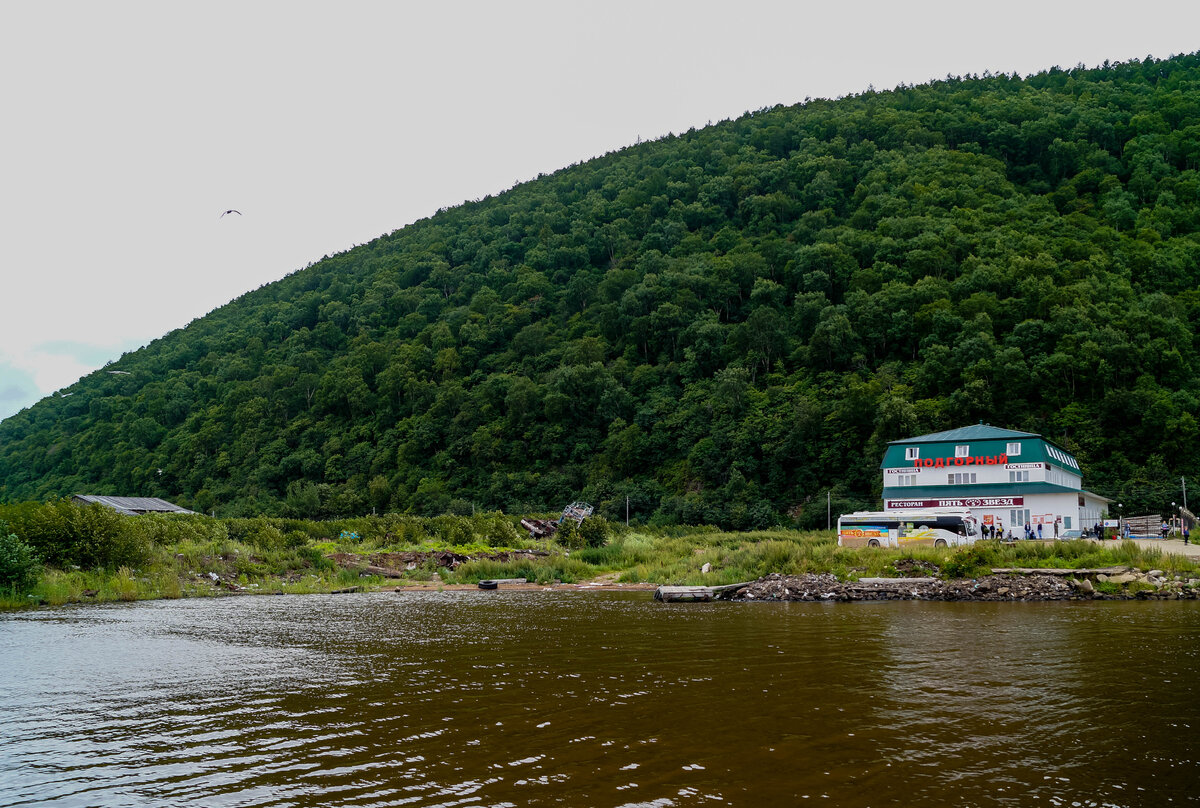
(187, 557)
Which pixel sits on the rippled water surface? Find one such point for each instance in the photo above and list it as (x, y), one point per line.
(591, 699)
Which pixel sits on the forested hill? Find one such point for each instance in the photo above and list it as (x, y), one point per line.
(721, 325)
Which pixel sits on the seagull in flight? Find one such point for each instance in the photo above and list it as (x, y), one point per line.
(231, 210)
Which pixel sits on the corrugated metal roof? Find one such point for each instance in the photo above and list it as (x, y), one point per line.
(969, 433)
(132, 506)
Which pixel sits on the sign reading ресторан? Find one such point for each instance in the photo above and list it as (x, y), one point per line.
(962, 502)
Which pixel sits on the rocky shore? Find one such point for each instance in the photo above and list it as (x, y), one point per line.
(1025, 585)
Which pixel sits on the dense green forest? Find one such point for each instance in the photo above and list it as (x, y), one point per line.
(723, 325)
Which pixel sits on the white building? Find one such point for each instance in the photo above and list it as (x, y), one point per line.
(1004, 477)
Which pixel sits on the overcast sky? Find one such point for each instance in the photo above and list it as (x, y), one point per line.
(128, 127)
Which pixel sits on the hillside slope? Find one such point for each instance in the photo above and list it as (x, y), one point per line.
(721, 326)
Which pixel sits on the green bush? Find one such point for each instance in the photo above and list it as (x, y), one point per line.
(499, 531)
(314, 558)
(18, 562)
(89, 536)
(265, 537)
(594, 531)
(168, 529)
(568, 535)
(973, 560)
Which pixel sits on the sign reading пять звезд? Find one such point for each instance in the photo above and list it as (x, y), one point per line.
(961, 502)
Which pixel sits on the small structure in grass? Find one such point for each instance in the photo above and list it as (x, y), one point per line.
(130, 506)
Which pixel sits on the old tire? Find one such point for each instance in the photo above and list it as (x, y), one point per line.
(488, 584)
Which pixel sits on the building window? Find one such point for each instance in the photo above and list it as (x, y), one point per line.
(963, 450)
(961, 478)
(912, 453)
(906, 479)
(1067, 522)
(1019, 517)
(1014, 449)
(1018, 476)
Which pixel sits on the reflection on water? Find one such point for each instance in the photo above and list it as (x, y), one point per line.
(590, 699)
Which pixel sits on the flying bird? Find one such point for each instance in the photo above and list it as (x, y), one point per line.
(231, 210)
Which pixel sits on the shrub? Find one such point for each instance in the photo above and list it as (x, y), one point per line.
(499, 532)
(265, 537)
(594, 531)
(314, 558)
(18, 562)
(568, 535)
(89, 536)
(972, 561)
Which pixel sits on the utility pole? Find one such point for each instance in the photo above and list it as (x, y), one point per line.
(1183, 481)
(828, 512)
(626, 511)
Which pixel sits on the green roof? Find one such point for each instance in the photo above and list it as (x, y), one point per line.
(986, 441)
(968, 433)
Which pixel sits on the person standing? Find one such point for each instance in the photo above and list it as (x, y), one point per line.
(1039, 531)
(1056, 528)
(1186, 534)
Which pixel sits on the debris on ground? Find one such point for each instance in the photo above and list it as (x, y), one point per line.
(1007, 587)
(396, 565)
(541, 528)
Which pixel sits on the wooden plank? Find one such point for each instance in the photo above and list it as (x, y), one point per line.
(885, 582)
(1056, 571)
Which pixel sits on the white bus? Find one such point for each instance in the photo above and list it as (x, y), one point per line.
(942, 527)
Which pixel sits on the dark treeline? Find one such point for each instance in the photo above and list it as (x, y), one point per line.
(723, 326)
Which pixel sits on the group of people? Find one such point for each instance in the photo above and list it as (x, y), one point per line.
(1123, 531)
(996, 531)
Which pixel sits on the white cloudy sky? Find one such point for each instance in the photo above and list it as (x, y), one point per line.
(127, 127)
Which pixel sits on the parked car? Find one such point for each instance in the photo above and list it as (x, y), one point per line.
(1067, 535)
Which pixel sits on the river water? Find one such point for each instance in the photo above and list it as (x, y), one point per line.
(598, 699)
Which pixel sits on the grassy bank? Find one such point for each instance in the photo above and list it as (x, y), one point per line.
(85, 555)
(679, 558)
